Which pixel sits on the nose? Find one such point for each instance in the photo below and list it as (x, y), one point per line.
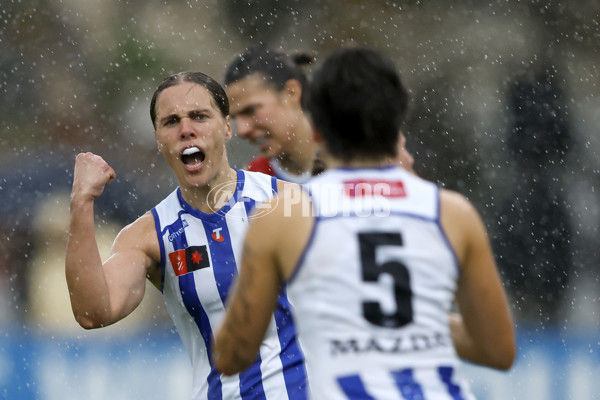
(243, 126)
(186, 128)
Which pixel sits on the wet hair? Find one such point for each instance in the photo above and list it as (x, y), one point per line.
(275, 66)
(358, 103)
(214, 88)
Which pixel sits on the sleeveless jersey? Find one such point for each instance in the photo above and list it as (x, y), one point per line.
(373, 289)
(199, 255)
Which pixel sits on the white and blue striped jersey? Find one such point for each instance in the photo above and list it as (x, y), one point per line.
(199, 257)
(373, 290)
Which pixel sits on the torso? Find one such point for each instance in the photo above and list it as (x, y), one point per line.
(372, 315)
(199, 254)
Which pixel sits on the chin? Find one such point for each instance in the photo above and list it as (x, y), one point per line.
(270, 153)
(194, 180)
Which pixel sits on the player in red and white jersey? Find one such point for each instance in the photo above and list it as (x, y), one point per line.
(374, 258)
(264, 87)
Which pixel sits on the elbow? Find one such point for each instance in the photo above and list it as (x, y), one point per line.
(229, 360)
(502, 357)
(509, 354)
(506, 360)
(230, 368)
(88, 322)
(232, 363)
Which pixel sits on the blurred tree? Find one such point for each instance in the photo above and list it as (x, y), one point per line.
(262, 21)
(439, 137)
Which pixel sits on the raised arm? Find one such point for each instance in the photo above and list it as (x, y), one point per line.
(272, 247)
(483, 332)
(103, 294)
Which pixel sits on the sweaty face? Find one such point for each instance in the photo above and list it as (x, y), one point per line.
(191, 133)
(262, 115)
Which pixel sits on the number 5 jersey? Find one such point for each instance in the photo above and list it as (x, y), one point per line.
(374, 287)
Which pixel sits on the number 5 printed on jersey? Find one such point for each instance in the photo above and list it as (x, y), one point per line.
(370, 273)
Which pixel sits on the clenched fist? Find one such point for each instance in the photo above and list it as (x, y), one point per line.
(91, 176)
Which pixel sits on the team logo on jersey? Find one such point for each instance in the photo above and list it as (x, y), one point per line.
(374, 187)
(216, 235)
(188, 260)
(225, 196)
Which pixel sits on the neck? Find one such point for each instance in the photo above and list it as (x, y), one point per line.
(299, 159)
(200, 197)
(333, 162)
(299, 162)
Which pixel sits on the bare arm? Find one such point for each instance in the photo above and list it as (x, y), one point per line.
(483, 333)
(103, 294)
(251, 303)
(269, 257)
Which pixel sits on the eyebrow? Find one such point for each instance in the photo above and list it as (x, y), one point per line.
(189, 113)
(244, 111)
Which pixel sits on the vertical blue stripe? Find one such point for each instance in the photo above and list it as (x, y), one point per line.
(409, 388)
(225, 271)
(294, 371)
(221, 256)
(161, 245)
(446, 377)
(274, 184)
(187, 286)
(353, 388)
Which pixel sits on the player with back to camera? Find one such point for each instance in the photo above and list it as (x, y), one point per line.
(188, 245)
(265, 86)
(373, 258)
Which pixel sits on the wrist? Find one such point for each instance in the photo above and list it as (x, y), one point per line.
(80, 201)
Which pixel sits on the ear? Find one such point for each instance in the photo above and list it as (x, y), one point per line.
(316, 135)
(293, 91)
(229, 132)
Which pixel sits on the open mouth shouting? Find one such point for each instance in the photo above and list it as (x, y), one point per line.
(192, 157)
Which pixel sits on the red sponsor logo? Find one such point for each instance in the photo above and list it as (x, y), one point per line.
(374, 187)
(216, 235)
(178, 262)
(188, 260)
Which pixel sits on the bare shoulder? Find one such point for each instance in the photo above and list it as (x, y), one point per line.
(283, 232)
(457, 211)
(454, 203)
(288, 188)
(461, 223)
(292, 201)
(140, 228)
